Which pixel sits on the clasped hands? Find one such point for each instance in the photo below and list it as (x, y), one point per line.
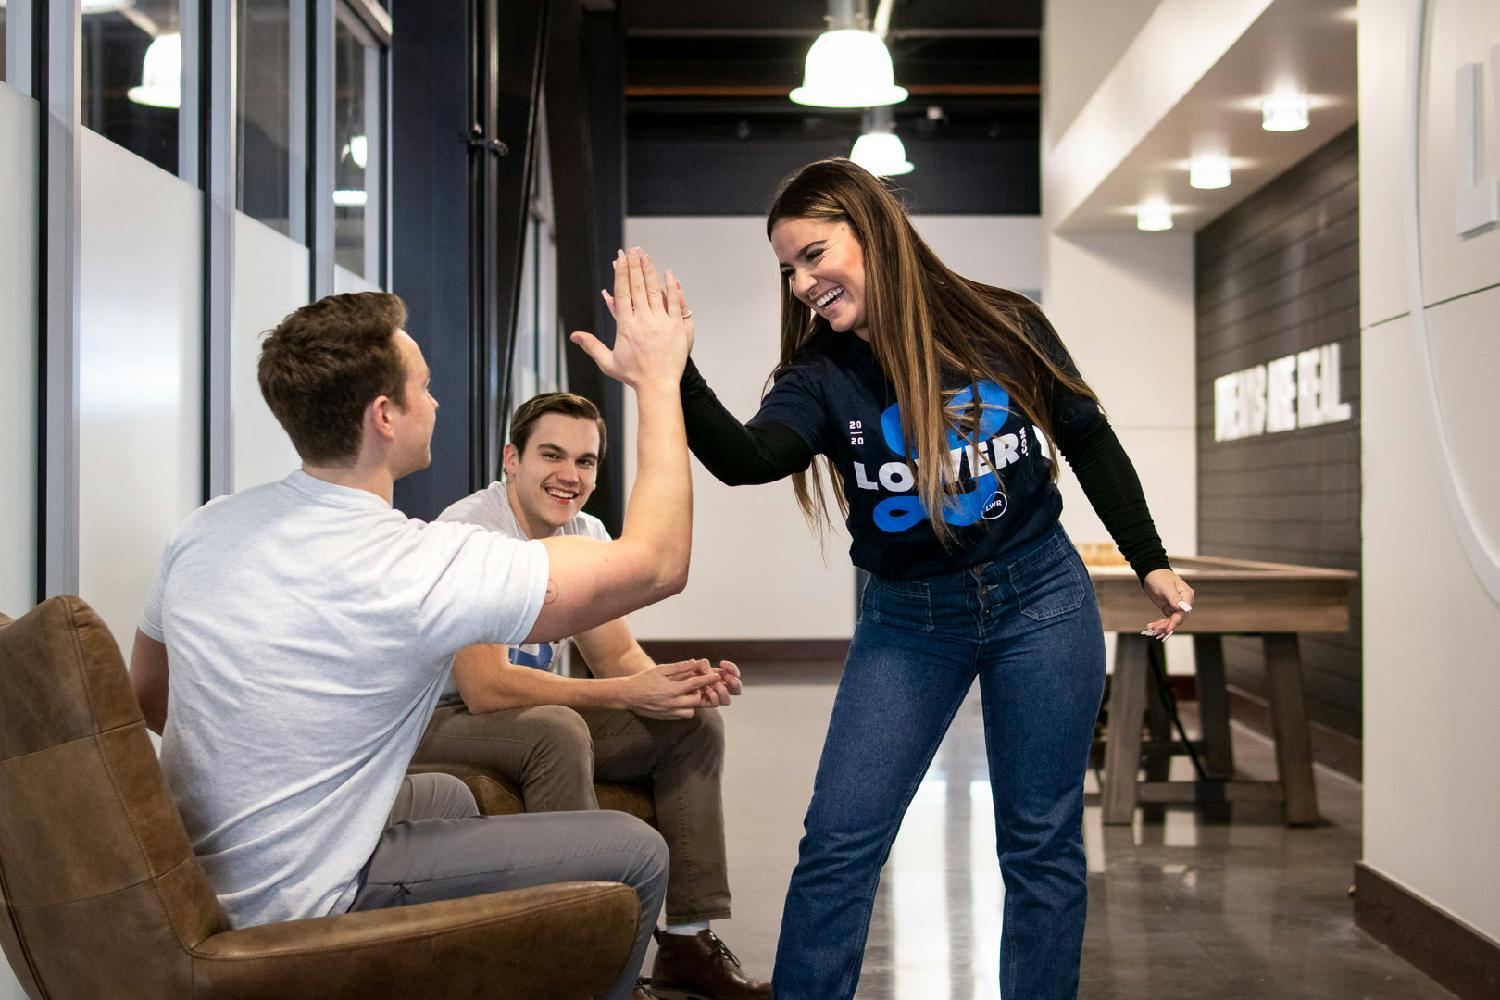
(675, 690)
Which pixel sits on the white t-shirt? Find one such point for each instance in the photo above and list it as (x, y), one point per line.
(309, 629)
(490, 509)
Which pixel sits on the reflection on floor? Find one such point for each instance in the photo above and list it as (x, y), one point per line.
(1180, 906)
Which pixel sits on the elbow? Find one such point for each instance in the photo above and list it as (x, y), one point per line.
(671, 577)
(672, 583)
(743, 476)
(489, 699)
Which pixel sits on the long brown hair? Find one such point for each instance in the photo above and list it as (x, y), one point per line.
(925, 322)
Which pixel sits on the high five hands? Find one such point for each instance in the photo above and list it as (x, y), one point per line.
(653, 326)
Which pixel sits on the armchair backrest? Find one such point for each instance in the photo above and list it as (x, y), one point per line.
(100, 891)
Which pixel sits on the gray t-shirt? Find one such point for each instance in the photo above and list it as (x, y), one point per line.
(490, 509)
(309, 628)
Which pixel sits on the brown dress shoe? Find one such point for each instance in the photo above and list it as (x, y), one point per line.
(641, 993)
(700, 967)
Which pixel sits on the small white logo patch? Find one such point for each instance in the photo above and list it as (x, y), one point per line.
(995, 506)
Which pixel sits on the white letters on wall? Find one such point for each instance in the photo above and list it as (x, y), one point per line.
(1299, 390)
(1478, 192)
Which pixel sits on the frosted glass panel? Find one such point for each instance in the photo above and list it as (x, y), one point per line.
(270, 280)
(19, 123)
(141, 360)
(345, 281)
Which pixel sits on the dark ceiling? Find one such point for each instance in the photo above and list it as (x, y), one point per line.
(707, 85)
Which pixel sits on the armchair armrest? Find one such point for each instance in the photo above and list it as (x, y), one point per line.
(565, 940)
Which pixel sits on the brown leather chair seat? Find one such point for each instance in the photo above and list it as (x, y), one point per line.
(499, 796)
(100, 895)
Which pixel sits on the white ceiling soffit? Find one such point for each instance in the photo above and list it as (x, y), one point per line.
(1307, 46)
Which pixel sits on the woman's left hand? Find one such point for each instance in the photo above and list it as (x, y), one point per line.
(1172, 595)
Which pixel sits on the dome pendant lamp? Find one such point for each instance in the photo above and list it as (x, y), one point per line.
(848, 67)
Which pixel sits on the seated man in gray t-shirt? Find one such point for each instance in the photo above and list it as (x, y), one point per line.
(554, 735)
(299, 633)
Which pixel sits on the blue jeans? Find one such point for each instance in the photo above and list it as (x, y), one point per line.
(1030, 631)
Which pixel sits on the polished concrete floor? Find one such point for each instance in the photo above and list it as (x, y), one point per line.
(1182, 905)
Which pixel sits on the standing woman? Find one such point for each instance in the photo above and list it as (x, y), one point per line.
(932, 404)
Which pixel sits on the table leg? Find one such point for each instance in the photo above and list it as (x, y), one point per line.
(1213, 704)
(1122, 740)
(1289, 727)
(1158, 756)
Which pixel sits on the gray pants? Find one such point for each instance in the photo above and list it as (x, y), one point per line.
(437, 846)
(556, 754)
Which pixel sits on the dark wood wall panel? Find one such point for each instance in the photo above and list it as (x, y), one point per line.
(1278, 274)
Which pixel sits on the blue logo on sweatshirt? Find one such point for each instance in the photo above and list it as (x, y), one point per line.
(970, 498)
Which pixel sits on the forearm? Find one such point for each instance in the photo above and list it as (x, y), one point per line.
(737, 454)
(523, 687)
(149, 680)
(659, 515)
(633, 661)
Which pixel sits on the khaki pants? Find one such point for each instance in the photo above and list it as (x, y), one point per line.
(437, 846)
(556, 754)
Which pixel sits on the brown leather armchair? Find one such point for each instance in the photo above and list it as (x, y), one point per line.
(102, 896)
(497, 795)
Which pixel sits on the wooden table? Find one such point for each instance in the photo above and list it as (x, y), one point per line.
(1233, 597)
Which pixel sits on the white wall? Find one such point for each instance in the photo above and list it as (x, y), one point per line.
(757, 571)
(140, 351)
(1097, 34)
(1124, 302)
(270, 280)
(1431, 685)
(19, 122)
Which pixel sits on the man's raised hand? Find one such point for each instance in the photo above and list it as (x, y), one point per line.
(652, 337)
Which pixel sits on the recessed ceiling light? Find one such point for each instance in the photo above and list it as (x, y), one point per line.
(1284, 113)
(1209, 172)
(1153, 216)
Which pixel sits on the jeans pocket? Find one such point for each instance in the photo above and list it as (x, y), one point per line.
(903, 604)
(1048, 589)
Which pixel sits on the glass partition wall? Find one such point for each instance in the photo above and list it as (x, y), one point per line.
(139, 79)
(537, 349)
(271, 116)
(359, 62)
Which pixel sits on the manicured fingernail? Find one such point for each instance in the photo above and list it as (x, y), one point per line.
(620, 253)
(1184, 605)
(1147, 631)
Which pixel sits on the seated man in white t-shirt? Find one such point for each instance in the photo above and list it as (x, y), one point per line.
(299, 633)
(508, 709)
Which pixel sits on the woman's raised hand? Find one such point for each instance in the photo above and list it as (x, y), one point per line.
(652, 337)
